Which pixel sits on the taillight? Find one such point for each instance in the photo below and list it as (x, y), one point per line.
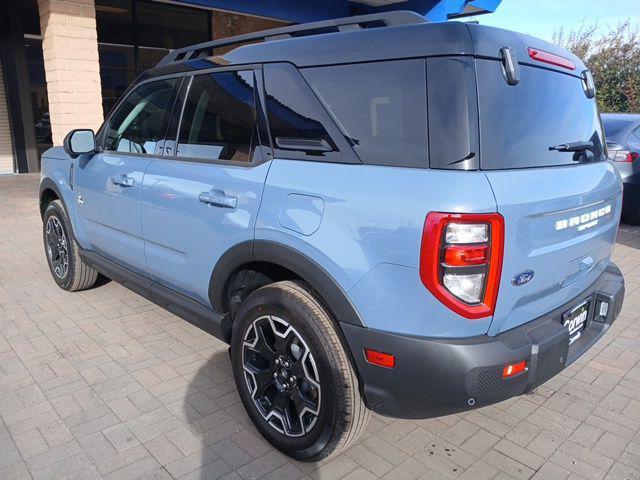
(623, 156)
(630, 157)
(550, 58)
(461, 260)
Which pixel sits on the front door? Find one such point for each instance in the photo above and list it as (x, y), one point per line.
(203, 198)
(108, 184)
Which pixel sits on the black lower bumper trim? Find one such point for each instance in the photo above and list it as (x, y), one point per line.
(434, 377)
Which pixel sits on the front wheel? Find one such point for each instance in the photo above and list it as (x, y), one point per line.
(63, 256)
(293, 375)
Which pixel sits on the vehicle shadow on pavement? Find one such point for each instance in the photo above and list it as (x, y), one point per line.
(229, 441)
(629, 236)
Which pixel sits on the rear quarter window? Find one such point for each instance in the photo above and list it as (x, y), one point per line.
(380, 107)
(518, 123)
(453, 113)
(299, 126)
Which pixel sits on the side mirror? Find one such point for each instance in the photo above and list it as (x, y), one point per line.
(79, 142)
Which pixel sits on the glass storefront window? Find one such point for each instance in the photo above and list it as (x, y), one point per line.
(134, 35)
(117, 71)
(38, 91)
(30, 17)
(115, 21)
(168, 26)
(148, 57)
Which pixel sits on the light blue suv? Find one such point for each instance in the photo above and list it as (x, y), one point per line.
(376, 213)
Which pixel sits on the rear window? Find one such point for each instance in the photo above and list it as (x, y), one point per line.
(380, 107)
(519, 123)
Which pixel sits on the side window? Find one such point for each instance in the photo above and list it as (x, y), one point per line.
(635, 135)
(139, 122)
(219, 119)
(381, 107)
(453, 113)
(295, 116)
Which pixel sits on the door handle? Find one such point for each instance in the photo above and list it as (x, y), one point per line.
(218, 198)
(123, 180)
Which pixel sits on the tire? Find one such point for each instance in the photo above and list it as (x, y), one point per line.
(62, 252)
(325, 413)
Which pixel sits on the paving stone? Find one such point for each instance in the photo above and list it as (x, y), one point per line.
(163, 450)
(508, 465)
(97, 446)
(30, 443)
(120, 437)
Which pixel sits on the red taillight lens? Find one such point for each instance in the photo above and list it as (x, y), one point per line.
(550, 58)
(461, 260)
(380, 359)
(514, 369)
(465, 255)
(623, 156)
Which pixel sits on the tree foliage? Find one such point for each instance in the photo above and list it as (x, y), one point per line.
(614, 59)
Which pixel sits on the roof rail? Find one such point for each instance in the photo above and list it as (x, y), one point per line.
(387, 19)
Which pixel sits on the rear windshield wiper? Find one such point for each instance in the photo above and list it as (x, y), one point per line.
(572, 147)
(581, 154)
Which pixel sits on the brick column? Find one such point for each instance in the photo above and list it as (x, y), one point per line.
(70, 49)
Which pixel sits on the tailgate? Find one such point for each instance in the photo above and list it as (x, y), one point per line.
(561, 226)
(542, 150)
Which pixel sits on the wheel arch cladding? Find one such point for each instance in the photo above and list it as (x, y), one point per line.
(49, 191)
(279, 255)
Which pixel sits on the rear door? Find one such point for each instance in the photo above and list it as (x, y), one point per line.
(561, 211)
(202, 196)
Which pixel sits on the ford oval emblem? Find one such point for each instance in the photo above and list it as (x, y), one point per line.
(522, 278)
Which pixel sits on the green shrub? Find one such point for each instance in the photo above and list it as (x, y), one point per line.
(613, 58)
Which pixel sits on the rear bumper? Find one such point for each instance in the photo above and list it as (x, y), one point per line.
(434, 377)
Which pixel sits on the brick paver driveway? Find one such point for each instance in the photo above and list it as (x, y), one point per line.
(104, 384)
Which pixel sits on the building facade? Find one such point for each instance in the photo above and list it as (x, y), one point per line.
(64, 63)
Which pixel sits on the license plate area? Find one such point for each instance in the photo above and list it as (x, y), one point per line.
(576, 320)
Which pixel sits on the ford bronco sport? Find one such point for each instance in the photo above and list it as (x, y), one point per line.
(377, 214)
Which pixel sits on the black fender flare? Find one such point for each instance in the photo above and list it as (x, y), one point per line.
(48, 184)
(282, 255)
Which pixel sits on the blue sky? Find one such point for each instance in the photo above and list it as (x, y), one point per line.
(541, 18)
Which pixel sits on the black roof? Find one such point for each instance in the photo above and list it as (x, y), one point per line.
(395, 41)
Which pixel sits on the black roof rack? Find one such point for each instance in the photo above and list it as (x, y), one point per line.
(387, 19)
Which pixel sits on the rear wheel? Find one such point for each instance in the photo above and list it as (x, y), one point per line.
(293, 375)
(61, 249)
